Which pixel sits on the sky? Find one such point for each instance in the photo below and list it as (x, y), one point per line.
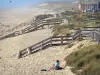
(23, 3)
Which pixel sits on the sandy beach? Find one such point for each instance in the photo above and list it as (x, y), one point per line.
(32, 65)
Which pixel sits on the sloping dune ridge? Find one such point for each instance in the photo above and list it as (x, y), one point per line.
(30, 65)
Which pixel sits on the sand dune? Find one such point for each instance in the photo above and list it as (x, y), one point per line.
(17, 16)
(32, 65)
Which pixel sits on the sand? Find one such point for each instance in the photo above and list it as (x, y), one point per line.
(32, 64)
(19, 15)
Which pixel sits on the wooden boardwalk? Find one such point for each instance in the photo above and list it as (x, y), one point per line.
(59, 40)
(35, 26)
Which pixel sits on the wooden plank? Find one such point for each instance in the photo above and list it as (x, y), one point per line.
(23, 52)
(91, 27)
(17, 33)
(51, 41)
(44, 43)
(57, 44)
(61, 40)
(61, 36)
(41, 45)
(47, 42)
(54, 40)
(87, 30)
(29, 51)
(36, 47)
(97, 32)
(19, 55)
(40, 42)
(31, 28)
(99, 39)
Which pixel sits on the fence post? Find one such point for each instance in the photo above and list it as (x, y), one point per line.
(98, 37)
(35, 26)
(29, 51)
(42, 24)
(51, 41)
(80, 36)
(93, 34)
(19, 54)
(72, 38)
(41, 45)
(48, 25)
(61, 40)
(21, 32)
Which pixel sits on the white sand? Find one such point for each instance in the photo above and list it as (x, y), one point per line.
(11, 20)
(19, 15)
(32, 65)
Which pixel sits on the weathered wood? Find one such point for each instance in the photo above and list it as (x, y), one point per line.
(99, 39)
(19, 54)
(41, 45)
(46, 42)
(61, 40)
(16, 33)
(29, 51)
(51, 41)
(38, 23)
(92, 35)
(72, 38)
(54, 40)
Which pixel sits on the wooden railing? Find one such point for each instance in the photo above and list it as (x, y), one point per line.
(56, 41)
(95, 35)
(37, 24)
(51, 41)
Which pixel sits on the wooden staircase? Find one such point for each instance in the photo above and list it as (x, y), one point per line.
(35, 26)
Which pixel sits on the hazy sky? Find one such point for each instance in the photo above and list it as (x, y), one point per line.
(20, 3)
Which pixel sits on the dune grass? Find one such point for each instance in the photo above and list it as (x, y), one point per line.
(85, 61)
(61, 30)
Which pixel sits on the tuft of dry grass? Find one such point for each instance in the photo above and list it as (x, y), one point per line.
(85, 61)
(61, 30)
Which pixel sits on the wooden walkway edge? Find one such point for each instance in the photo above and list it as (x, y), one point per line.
(51, 41)
(59, 40)
(35, 26)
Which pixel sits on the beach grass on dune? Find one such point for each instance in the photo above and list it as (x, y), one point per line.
(85, 61)
(61, 30)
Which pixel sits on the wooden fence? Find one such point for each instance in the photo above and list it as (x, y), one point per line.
(59, 40)
(51, 41)
(95, 35)
(36, 25)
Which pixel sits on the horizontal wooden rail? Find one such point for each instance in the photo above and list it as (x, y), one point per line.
(36, 25)
(55, 41)
(51, 41)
